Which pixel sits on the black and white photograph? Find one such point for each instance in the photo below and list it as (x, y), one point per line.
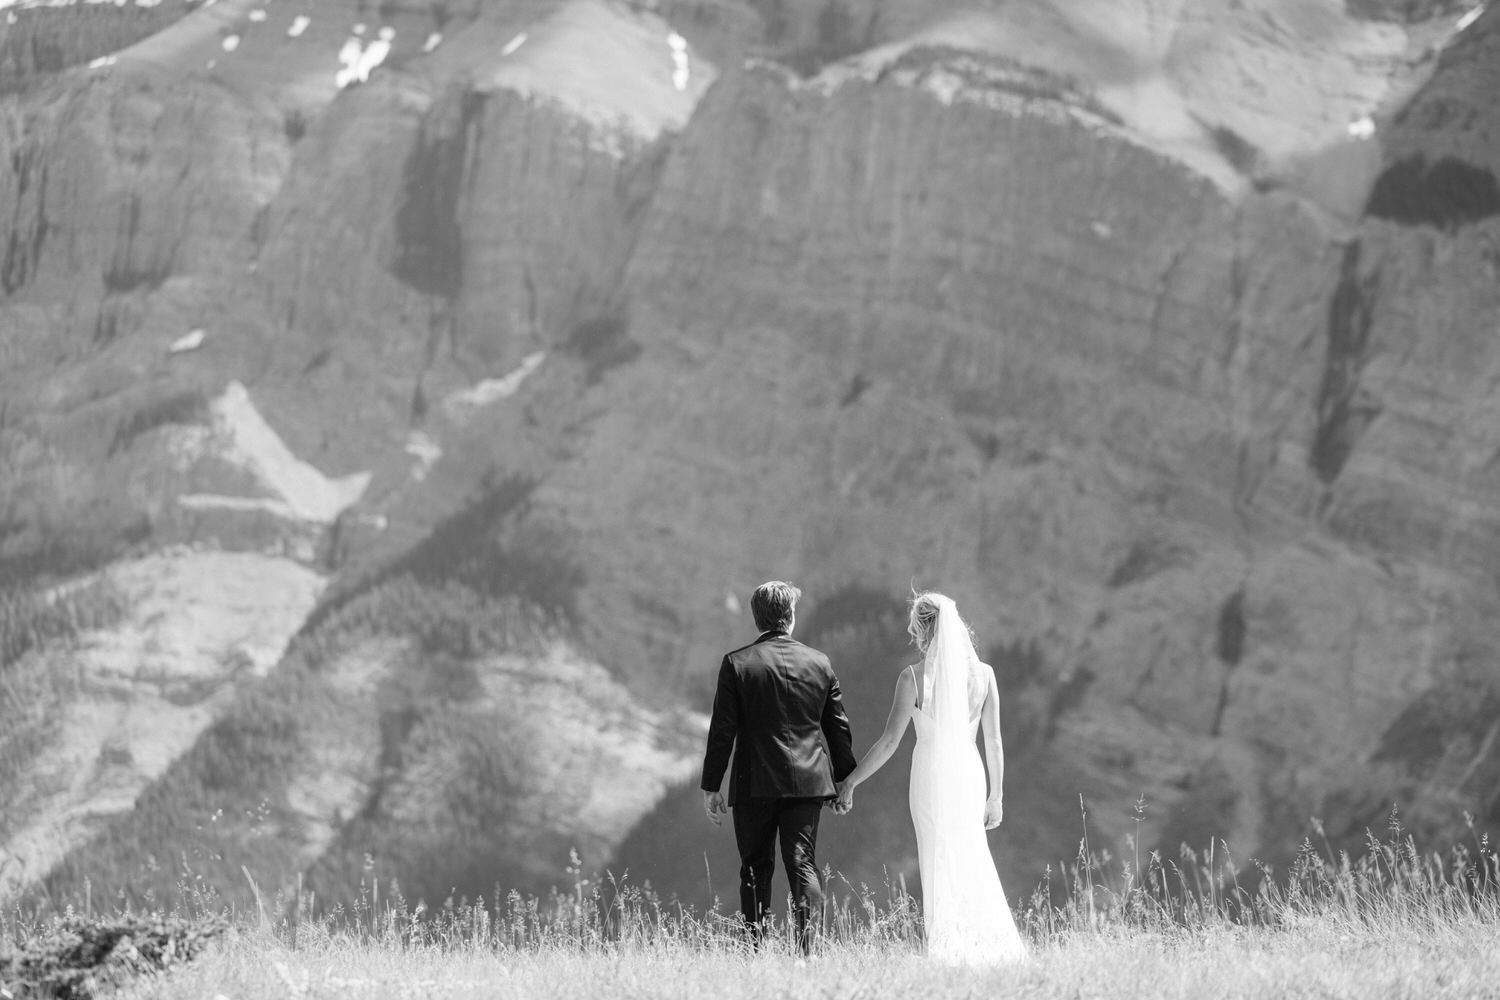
(845, 499)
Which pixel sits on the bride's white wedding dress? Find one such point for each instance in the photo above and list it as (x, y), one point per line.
(964, 911)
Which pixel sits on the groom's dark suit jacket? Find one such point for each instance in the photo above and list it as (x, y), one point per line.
(781, 702)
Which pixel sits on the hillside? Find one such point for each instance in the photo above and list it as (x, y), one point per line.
(473, 361)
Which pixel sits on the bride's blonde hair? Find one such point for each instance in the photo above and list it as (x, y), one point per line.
(923, 617)
(922, 621)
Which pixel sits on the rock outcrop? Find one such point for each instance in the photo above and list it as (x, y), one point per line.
(1443, 149)
(93, 721)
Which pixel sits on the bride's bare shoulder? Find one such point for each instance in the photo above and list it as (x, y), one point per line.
(906, 685)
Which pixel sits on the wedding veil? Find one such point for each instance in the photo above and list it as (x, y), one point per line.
(950, 661)
(956, 801)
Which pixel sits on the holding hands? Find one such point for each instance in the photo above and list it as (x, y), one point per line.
(713, 805)
(845, 800)
(994, 812)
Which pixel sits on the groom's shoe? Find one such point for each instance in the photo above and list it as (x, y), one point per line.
(807, 940)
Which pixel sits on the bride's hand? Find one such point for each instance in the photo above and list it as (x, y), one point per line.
(994, 812)
(845, 801)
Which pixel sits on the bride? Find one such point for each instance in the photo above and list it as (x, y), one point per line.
(946, 696)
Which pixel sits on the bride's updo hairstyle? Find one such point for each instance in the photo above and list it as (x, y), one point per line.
(923, 620)
(924, 615)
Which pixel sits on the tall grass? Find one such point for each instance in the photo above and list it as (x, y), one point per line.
(1391, 883)
(1392, 921)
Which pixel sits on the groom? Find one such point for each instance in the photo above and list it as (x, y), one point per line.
(778, 708)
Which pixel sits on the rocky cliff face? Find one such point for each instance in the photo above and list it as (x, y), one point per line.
(39, 39)
(562, 330)
(1442, 147)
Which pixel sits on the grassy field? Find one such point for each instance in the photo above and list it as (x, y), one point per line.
(1390, 923)
(1322, 960)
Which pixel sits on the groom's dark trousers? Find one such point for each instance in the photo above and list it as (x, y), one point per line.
(778, 707)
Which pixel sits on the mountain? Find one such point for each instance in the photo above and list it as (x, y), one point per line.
(399, 404)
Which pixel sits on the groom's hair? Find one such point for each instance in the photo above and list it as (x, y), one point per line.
(772, 604)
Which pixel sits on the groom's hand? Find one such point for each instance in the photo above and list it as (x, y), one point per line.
(713, 804)
(845, 800)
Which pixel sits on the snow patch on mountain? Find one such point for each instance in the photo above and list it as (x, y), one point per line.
(1176, 74)
(425, 450)
(190, 341)
(623, 70)
(299, 491)
(358, 59)
(492, 390)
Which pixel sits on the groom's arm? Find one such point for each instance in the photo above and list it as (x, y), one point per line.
(836, 732)
(723, 726)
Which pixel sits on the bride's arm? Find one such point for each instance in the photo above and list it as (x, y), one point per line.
(994, 753)
(895, 727)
